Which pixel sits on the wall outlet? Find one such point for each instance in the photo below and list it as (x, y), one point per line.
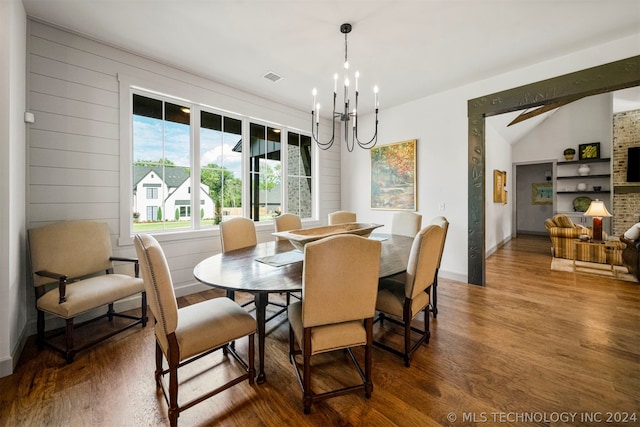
(441, 207)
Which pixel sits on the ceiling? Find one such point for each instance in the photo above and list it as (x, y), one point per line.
(409, 48)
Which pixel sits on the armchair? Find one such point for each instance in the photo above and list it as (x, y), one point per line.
(69, 260)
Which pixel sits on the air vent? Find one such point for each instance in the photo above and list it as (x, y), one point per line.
(272, 76)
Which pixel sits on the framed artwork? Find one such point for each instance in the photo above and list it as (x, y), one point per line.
(393, 176)
(499, 183)
(589, 151)
(542, 193)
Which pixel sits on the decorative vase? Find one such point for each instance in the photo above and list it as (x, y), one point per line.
(582, 186)
(584, 170)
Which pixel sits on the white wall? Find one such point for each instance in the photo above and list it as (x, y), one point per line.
(498, 226)
(439, 123)
(13, 313)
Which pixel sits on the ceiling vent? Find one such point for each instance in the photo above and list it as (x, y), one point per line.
(272, 76)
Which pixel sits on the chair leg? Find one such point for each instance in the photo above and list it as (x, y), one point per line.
(427, 332)
(306, 380)
(70, 353)
(434, 296)
(40, 323)
(144, 309)
(174, 411)
(251, 361)
(368, 360)
(406, 319)
(158, 372)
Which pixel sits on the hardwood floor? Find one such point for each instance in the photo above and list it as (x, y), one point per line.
(533, 347)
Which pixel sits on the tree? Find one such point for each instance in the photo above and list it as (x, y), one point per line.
(159, 215)
(224, 188)
(150, 163)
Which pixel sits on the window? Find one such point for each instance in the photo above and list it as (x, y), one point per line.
(299, 174)
(221, 160)
(265, 172)
(176, 142)
(152, 193)
(161, 162)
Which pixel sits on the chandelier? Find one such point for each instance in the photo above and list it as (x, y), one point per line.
(346, 115)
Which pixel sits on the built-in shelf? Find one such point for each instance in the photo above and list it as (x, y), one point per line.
(579, 162)
(606, 175)
(584, 192)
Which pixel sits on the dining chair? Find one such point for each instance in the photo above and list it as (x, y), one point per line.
(339, 282)
(341, 217)
(184, 335)
(406, 223)
(442, 222)
(237, 233)
(401, 302)
(286, 222)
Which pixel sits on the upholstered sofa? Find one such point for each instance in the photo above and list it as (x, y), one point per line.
(563, 232)
(631, 253)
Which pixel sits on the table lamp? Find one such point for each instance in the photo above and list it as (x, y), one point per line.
(597, 210)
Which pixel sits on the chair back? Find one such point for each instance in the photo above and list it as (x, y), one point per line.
(441, 222)
(423, 260)
(341, 217)
(286, 222)
(74, 248)
(339, 279)
(157, 283)
(406, 223)
(237, 233)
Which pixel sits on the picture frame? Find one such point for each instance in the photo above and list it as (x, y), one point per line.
(499, 184)
(589, 151)
(393, 176)
(542, 193)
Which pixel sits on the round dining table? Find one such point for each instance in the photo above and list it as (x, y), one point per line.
(276, 267)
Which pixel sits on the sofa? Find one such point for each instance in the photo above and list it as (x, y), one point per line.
(563, 232)
(631, 253)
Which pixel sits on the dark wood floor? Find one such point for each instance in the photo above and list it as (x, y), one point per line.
(551, 346)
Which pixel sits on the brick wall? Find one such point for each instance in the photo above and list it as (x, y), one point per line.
(626, 197)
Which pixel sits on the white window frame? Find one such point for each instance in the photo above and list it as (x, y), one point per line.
(161, 87)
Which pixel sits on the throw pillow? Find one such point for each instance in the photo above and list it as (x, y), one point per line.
(633, 233)
(563, 221)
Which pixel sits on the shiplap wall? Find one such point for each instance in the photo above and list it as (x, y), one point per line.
(74, 145)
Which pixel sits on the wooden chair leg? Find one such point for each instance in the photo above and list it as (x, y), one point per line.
(251, 361)
(174, 410)
(70, 353)
(306, 380)
(158, 373)
(368, 360)
(40, 323)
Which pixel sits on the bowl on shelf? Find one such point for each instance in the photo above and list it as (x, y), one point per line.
(582, 186)
(597, 188)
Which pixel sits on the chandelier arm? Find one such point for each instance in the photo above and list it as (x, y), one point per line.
(316, 135)
(374, 139)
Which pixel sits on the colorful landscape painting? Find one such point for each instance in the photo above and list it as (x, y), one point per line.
(393, 176)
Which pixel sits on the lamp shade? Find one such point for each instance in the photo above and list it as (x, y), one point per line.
(597, 208)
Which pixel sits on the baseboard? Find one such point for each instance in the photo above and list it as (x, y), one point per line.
(491, 250)
(8, 364)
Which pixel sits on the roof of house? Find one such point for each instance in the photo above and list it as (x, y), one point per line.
(173, 175)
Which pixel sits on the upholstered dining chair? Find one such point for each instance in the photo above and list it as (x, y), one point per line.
(339, 286)
(286, 222)
(401, 302)
(187, 334)
(237, 233)
(443, 223)
(341, 217)
(406, 223)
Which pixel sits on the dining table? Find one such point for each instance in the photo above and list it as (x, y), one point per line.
(276, 267)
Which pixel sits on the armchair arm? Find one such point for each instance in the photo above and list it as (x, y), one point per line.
(125, 259)
(62, 283)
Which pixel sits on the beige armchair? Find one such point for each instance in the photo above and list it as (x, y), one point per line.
(341, 217)
(69, 260)
(187, 334)
(336, 312)
(401, 302)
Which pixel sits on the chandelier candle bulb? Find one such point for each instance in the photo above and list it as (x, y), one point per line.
(315, 92)
(335, 83)
(317, 113)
